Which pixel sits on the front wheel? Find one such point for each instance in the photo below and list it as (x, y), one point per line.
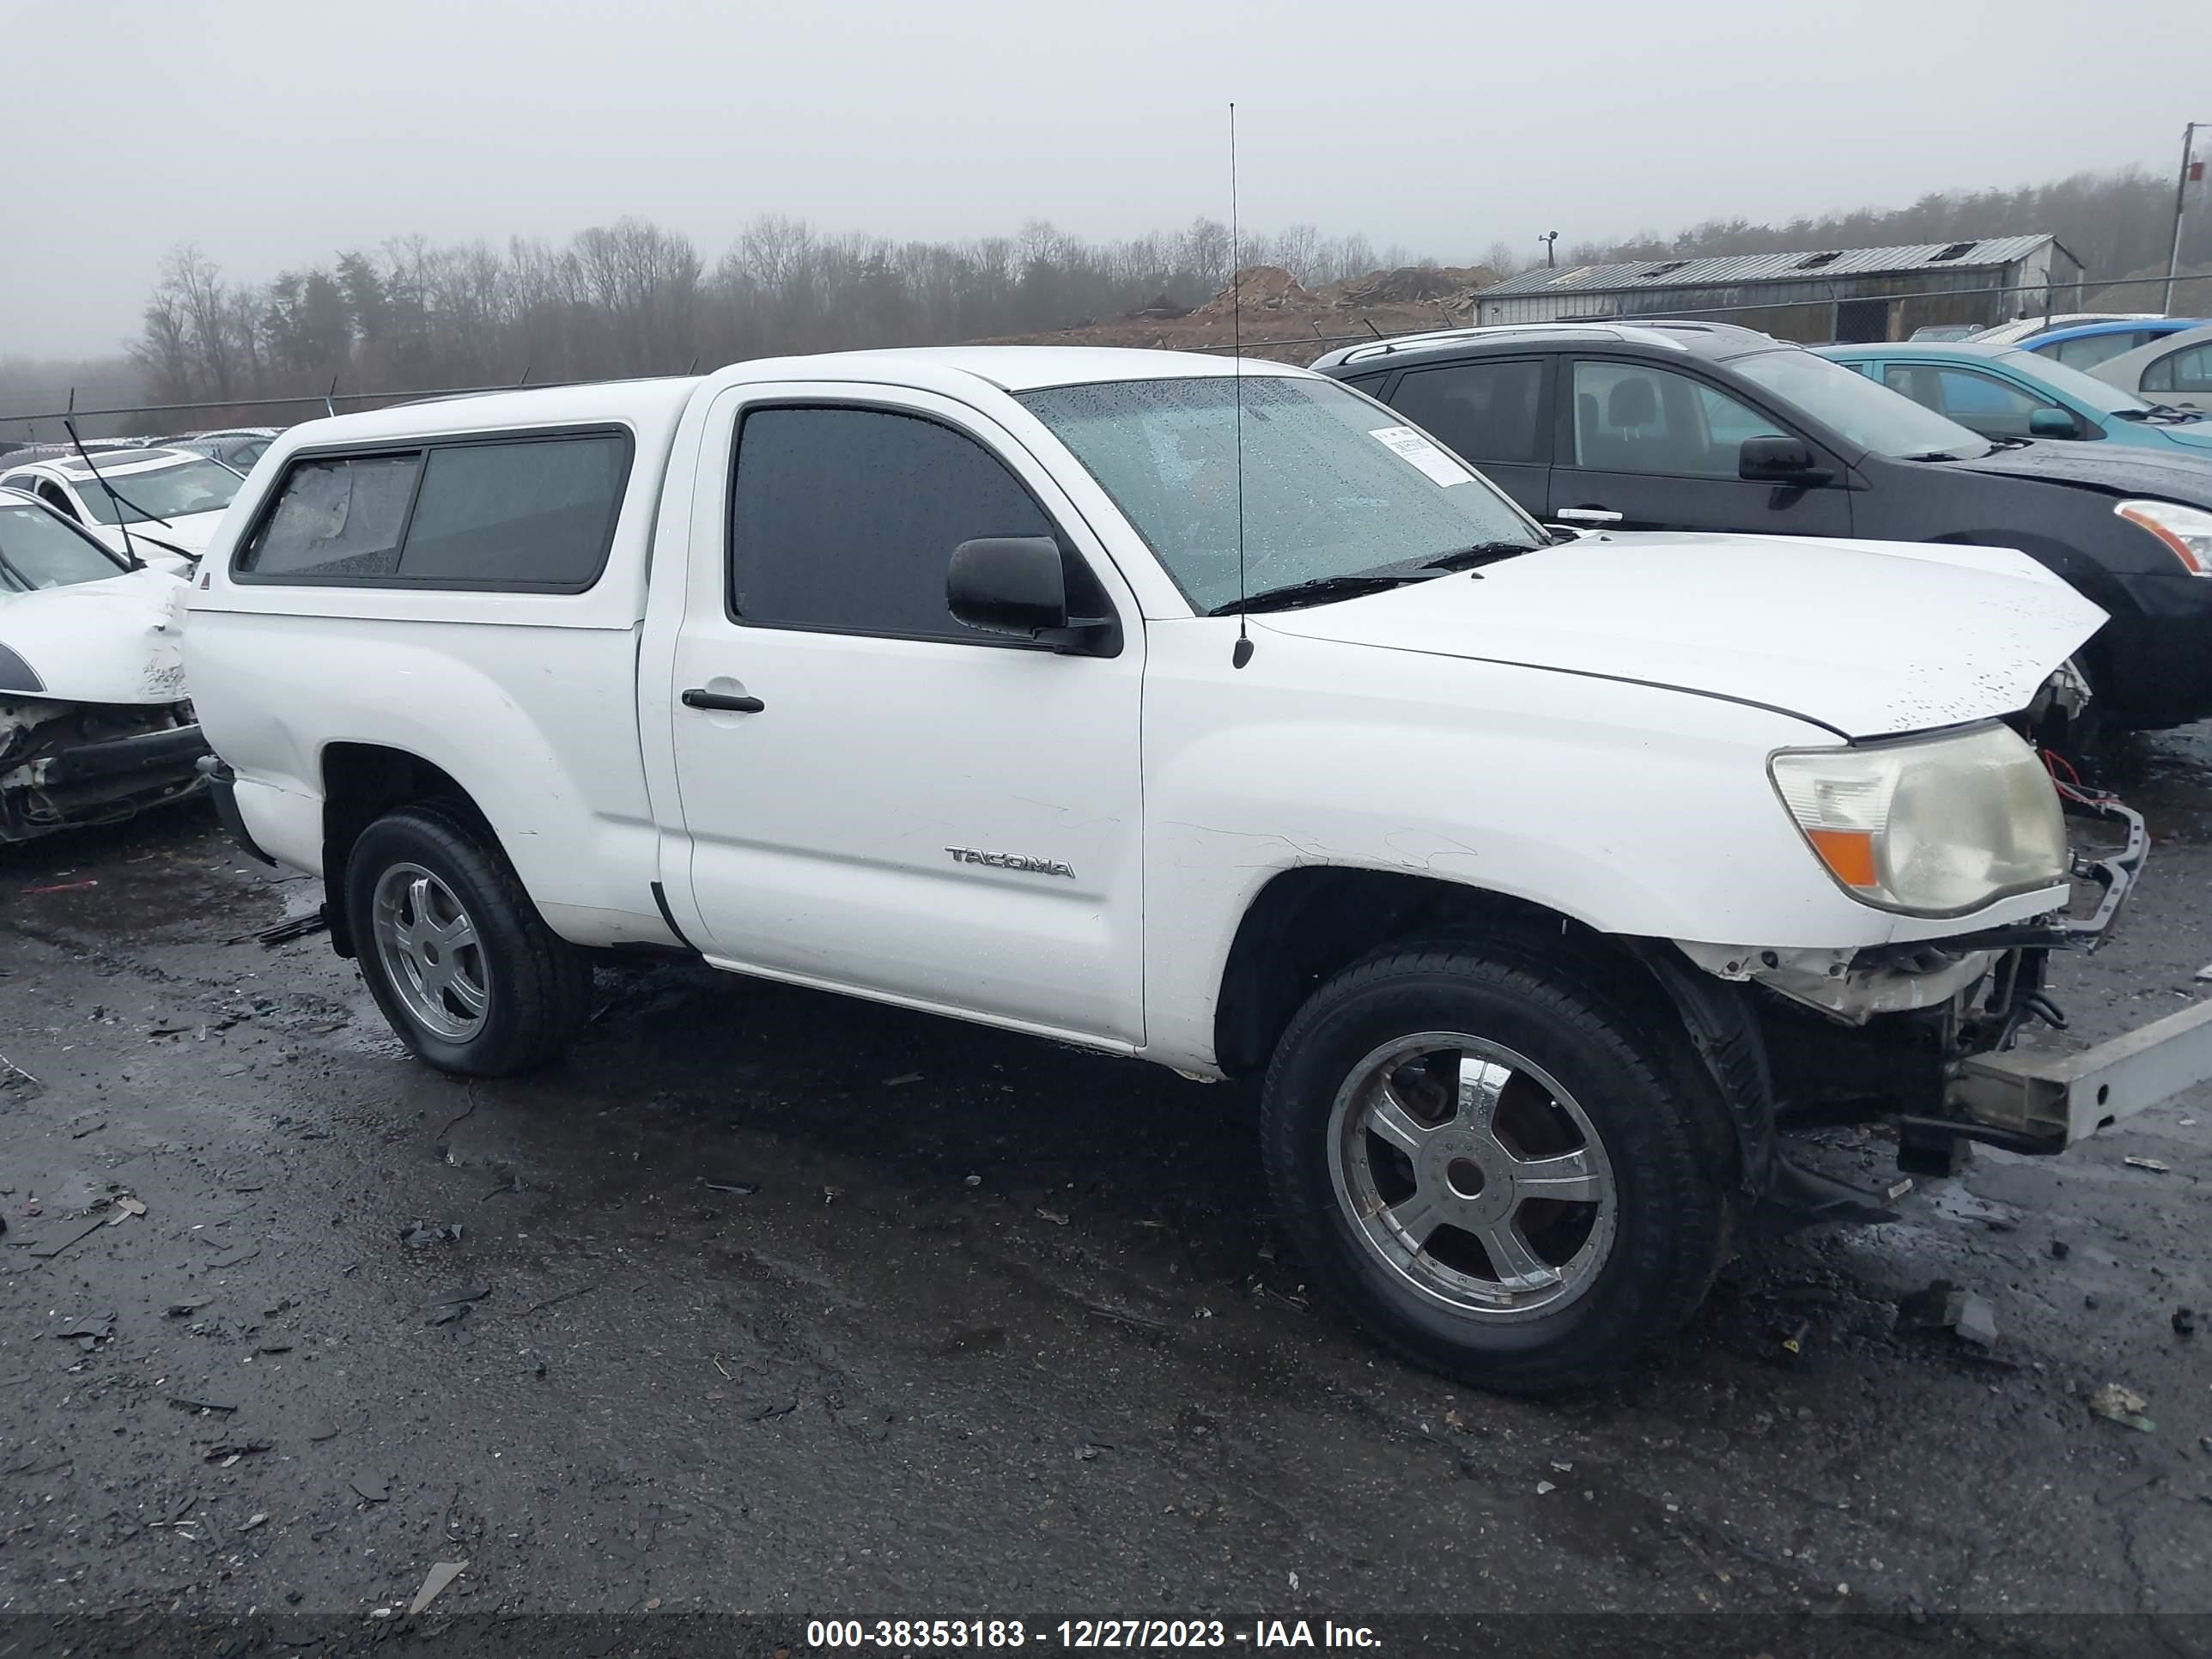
(1497, 1173)
(458, 957)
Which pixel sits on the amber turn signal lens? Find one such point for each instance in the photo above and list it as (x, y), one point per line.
(1848, 853)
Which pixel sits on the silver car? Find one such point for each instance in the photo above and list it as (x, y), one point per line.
(2174, 370)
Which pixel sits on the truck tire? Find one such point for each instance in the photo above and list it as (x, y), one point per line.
(1494, 1170)
(465, 968)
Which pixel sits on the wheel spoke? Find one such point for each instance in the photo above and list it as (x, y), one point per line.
(1388, 1118)
(1517, 1267)
(419, 922)
(1571, 1178)
(466, 992)
(1481, 1082)
(1421, 1215)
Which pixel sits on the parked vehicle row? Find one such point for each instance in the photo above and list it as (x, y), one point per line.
(2010, 396)
(1704, 427)
(1220, 717)
(161, 504)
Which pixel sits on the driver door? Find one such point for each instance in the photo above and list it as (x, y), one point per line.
(875, 796)
(1642, 447)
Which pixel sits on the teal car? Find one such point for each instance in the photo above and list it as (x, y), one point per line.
(2004, 392)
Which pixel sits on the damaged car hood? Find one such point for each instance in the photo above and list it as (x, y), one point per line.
(173, 547)
(1866, 638)
(116, 640)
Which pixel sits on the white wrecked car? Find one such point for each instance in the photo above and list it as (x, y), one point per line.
(161, 504)
(93, 723)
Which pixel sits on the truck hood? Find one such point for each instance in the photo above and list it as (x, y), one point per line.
(2118, 469)
(118, 640)
(1865, 638)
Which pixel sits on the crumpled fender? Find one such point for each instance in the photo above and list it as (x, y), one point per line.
(116, 640)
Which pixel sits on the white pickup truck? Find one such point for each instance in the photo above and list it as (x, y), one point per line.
(1213, 718)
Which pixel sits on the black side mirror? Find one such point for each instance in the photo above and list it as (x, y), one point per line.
(2052, 424)
(1780, 460)
(1018, 585)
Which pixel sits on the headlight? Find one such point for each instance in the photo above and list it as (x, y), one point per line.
(2186, 530)
(1933, 827)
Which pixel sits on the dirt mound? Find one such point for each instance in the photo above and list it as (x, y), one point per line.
(1266, 288)
(1408, 285)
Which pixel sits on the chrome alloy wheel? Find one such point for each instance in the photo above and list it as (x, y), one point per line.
(431, 953)
(1472, 1176)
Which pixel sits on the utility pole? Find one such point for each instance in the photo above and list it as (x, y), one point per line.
(2191, 172)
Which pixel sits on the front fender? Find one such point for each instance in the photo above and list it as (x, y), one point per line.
(1630, 809)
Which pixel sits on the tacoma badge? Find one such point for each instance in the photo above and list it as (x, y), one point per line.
(1011, 861)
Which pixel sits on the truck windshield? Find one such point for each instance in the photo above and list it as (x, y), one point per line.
(165, 492)
(1333, 486)
(38, 549)
(1872, 417)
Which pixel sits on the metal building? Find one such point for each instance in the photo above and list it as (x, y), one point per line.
(1832, 294)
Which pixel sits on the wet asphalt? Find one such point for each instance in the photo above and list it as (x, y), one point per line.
(771, 1304)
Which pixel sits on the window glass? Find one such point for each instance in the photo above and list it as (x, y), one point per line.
(533, 513)
(1631, 417)
(846, 519)
(1855, 407)
(2181, 370)
(337, 517)
(57, 498)
(1330, 486)
(1961, 393)
(1487, 411)
(37, 550)
(167, 492)
(2093, 348)
(2086, 390)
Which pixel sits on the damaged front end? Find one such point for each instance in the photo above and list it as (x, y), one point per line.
(63, 764)
(93, 722)
(1926, 1035)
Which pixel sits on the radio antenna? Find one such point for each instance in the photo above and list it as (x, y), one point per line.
(1243, 652)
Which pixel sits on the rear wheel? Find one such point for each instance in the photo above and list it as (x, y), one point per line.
(455, 953)
(1493, 1170)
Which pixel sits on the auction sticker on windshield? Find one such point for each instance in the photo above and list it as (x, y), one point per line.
(1417, 451)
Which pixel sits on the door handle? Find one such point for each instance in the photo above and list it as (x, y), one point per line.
(697, 698)
(1587, 515)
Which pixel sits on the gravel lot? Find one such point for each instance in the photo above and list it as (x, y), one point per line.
(788, 1308)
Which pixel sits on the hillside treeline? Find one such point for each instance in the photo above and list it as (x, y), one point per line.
(632, 298)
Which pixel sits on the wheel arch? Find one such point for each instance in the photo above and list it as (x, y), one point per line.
(1310, 923)
(361, 782)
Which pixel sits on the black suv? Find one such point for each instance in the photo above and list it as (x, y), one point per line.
(1707, 427)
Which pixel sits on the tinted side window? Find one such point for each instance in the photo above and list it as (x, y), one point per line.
(532, 514)
(1632, 418)
(1962, 393)
(846, 519)
(2092, 350)
(1487, 411)
(2181, 370)
(337, 517)
(56, 497)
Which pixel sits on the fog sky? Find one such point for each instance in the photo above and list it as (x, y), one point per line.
(273, 134)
